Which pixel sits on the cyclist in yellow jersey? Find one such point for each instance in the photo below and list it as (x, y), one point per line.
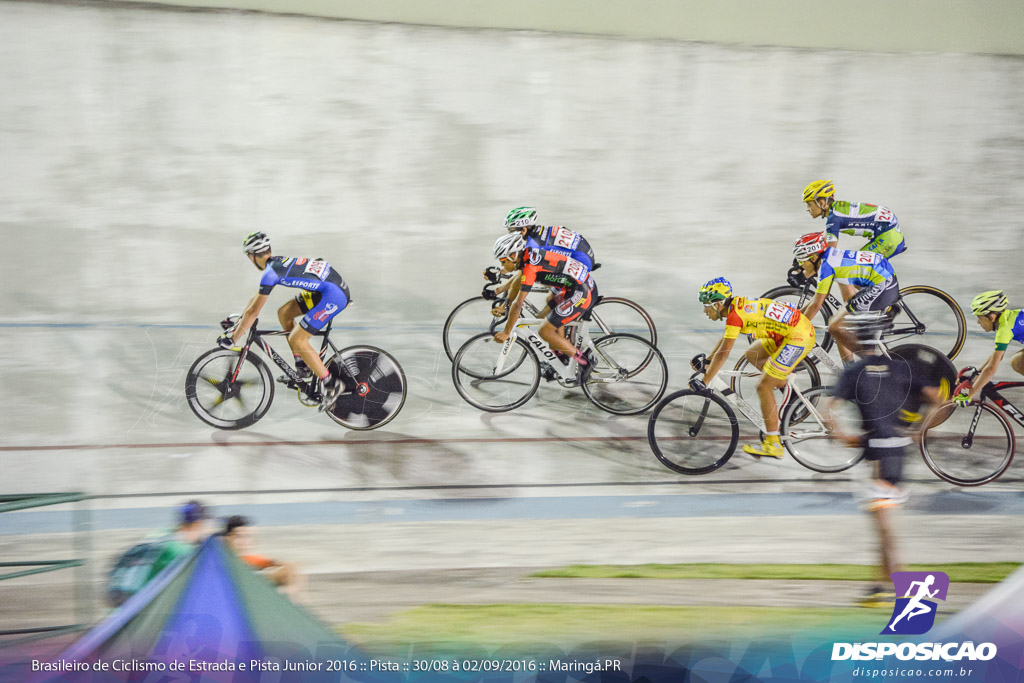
(785, 338)
(994, 313)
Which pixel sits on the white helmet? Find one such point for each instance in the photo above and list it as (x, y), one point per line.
(255, 243)
(509, 244)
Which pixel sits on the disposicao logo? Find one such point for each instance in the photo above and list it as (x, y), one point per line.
(913, 615)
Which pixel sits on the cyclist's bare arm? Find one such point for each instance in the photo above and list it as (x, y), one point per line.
(513, 281)
(847, 291)
(718, 357)
(513, 317)
(249, 315)
(814, 305)
(987, 372)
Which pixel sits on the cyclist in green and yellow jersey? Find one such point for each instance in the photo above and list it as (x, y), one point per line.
(874, 222)
(994, 313)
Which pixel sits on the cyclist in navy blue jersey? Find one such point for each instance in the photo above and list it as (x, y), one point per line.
(524, 220)
(323, 295)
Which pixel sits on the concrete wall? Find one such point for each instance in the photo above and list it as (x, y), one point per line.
(137, 147)
(976, 26)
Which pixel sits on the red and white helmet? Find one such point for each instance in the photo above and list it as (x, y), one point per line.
(809, 244)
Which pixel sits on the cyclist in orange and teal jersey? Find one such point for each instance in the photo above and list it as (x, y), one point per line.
(872, 221)
(994, 313)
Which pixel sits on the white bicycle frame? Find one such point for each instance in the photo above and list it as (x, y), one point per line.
(579, 333)
(754, 414)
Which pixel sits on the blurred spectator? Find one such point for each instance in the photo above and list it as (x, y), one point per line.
(239, 534)
(882, 388)
(141, 563)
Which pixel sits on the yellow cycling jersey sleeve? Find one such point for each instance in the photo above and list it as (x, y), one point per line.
(1009, 327)
(765, 319)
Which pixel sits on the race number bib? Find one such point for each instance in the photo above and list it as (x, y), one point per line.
(865, 258)
(567, 239)
(780, 313)
(884, 215)
(575, 269)
(318, 268)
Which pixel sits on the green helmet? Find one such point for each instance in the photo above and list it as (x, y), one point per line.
(521, 217)
(718, 289)
(992, 301)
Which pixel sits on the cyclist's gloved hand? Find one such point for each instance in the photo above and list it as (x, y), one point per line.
(225, 341)
(488, 293)
(492, 274)
(698, 362)
(795, 276)
(962, 400)
(697, 385)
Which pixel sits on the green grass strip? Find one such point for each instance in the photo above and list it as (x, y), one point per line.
(536, 629)
(960, 572)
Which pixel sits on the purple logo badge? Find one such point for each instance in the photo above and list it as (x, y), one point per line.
(914, 612)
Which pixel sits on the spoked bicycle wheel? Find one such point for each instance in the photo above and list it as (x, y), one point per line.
(614, 314)
(629, 375)
(222, 399)
(968, 446)
(931, 317)
(496, 390)
(808, 439)
(469, 318)
(797, 298)
(376, 394)
(692, 433)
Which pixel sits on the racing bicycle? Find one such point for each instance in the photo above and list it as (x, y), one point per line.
(694, 433)
(973, 445)
(476, 315)
(233, 388)
(627, 374)
(929, 314)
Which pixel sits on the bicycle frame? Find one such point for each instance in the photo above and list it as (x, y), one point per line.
(533, 311)
(578, 334)
(991, 392)
(748, 411)
(806, 294)
(257, 336)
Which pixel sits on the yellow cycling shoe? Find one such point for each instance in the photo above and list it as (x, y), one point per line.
(770, 447)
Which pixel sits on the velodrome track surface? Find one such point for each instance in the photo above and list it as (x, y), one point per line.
(141, 145)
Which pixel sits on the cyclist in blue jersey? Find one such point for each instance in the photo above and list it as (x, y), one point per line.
(994, 314)
(866, 281)
(323, 295)
(877, 223)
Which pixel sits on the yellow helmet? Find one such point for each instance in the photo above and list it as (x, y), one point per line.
(718, 289)
(819, 188)
(992, 301)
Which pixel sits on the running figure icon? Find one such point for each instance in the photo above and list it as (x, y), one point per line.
(916, 606)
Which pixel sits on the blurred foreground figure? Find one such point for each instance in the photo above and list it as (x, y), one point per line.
(239, 534)
(881, 387)
(143, 562)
